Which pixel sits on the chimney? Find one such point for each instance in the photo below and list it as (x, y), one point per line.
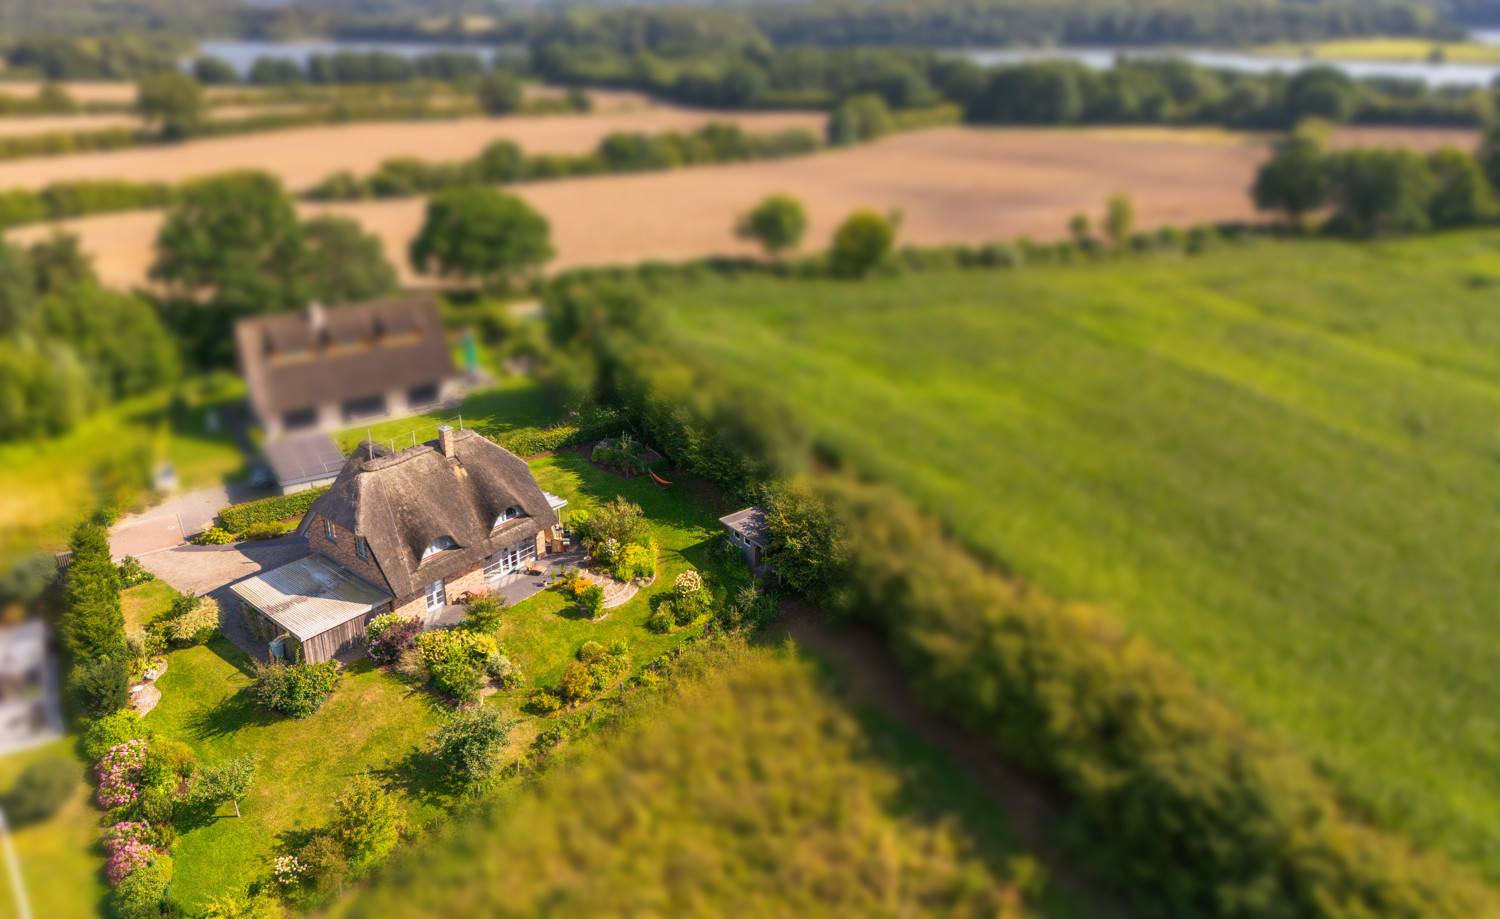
(445, 440)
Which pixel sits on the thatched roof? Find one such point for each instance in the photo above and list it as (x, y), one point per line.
(298, 360)
(401, 502)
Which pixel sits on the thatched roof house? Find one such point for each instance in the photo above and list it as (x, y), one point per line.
(421, 527)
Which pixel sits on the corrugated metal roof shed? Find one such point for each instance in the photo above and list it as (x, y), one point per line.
(310, 596)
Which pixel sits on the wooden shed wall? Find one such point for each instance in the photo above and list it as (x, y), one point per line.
(337, 640)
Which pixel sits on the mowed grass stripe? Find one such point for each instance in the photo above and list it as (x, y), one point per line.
(1276, 462)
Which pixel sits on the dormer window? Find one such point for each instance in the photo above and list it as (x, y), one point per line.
(441, 544)
(510, 513)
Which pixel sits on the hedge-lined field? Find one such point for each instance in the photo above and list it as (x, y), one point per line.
(749, 790)
(1276, 462)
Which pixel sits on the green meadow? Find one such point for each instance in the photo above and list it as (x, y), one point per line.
(1275, 461)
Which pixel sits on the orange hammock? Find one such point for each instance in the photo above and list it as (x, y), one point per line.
(659, 479)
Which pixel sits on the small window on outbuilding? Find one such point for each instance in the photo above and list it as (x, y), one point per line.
(330, 530)
(441, 544)
(361, 548)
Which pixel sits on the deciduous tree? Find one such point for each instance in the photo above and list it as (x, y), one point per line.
(862, 241)
(777, 223)
(481, 233)
(343, 263)
(173, 101)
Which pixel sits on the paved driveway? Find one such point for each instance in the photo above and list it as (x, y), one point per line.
(177, 519)
(209, 571)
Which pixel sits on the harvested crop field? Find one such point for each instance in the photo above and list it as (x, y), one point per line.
(303, 156)
(950, 184)
(19, 125)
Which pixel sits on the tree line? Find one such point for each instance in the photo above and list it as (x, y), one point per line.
(1370, 192)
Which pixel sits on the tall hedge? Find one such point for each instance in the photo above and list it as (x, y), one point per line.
(238, 518)
(93, 626)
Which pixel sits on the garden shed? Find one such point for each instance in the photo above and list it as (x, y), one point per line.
(748, 533)
(309, 610)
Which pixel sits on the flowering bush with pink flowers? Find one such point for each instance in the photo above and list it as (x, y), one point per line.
(118, 772)
(128, 850)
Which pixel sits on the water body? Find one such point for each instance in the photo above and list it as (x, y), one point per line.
(1433, 74)
(242, 55)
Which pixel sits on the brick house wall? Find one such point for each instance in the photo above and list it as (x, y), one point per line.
(342, 550)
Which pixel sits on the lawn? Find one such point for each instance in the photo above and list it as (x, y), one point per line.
(1277, 462)
(513, 404)
(47, 486)
(143, 603)
(372, 723)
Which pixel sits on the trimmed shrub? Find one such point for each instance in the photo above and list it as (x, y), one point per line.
(43, 787)
(263, 531)
(591, 601)
(240, 517)
(294, 689)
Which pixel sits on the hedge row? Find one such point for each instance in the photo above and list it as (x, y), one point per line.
(596, 426)
(503, 161)
(78, 198)
(240, 517)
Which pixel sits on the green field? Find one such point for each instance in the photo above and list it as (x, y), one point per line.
(1388, 49)
(513, 404)
(1277, 462)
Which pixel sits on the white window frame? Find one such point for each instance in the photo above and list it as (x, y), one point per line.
(330, 530)
(436, 595)
(433, 548)
(505, 561)
(362, 548)
(513, 512)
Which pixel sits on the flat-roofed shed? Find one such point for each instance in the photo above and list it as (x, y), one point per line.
(319, 604)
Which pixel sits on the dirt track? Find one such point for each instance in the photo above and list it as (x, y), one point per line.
(950, 184)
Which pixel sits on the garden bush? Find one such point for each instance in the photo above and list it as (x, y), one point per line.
(131, 572)
(366, 823)
(294, 689)
(661, 619)
(240, 517)
(194, 625)
(543, 702)
(483, 613)
(455, 659)
(618, 454)
(215, 536)
(597, 668)
(155, 807)
(118, 773)
(43, 787)
(391, 636)
(168, 763)
(102, 687)
(468, 743)
(143, 893)
(636, 561)
(591, 601)
(110, 731)
(324, 864)
(620, 520)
